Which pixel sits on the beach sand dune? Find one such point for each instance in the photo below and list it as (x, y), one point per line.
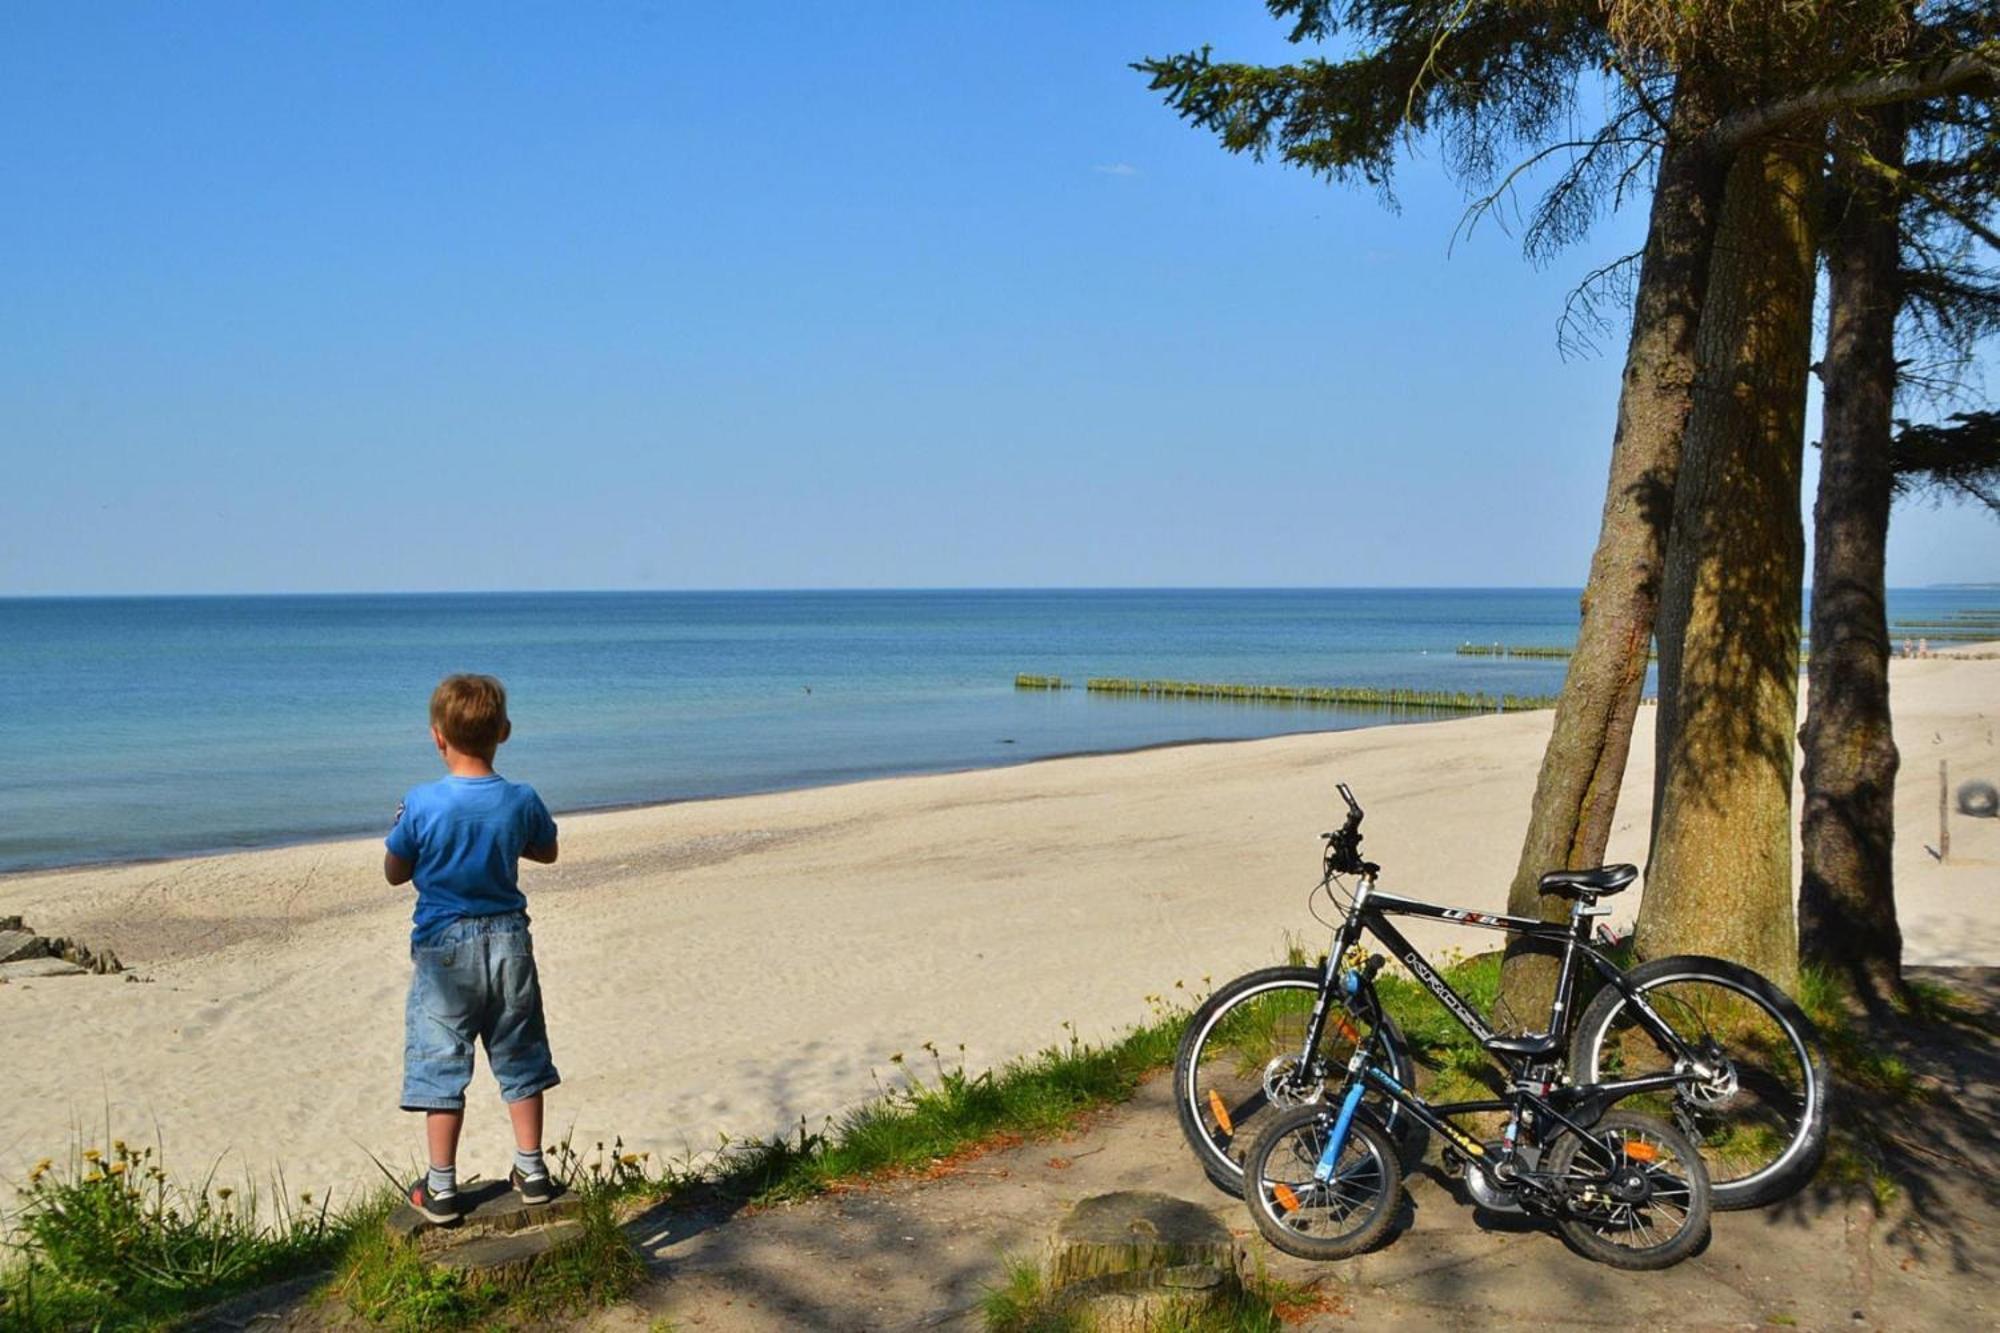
(735, 965)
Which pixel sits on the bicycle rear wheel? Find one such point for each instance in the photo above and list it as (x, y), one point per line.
(1761, 1124)
(1239, 1046)
(1636, 1195)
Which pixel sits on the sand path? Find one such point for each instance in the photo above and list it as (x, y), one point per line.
(734, 965)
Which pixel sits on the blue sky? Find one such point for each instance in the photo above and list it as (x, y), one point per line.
(654, 295)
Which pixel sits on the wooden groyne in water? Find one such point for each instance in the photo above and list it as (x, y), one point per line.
(1901, 632)
(1351, 696)
(1513, 650)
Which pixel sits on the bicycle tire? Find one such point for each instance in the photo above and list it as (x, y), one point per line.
(1217, 1145)
(1282, 1195)
(1615, 1135)
(1805, 1124)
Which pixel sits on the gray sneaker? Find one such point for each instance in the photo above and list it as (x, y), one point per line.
(444, 1210)
(534, 1190)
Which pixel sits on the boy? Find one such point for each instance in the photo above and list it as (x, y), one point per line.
(461, 838)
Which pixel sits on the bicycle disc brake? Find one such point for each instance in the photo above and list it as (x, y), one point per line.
(1282, 1087)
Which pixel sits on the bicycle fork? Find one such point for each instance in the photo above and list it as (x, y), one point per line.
(1324, 1172)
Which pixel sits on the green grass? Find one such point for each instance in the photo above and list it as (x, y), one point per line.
(949, 1112)
(105, 1238)
(387, 1283)
(1459, 1068)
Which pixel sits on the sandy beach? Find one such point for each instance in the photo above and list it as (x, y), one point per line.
(735, 965)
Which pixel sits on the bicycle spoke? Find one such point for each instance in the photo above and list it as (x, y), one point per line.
(1748, 1118)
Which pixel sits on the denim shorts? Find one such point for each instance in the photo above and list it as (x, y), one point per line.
(475, 980)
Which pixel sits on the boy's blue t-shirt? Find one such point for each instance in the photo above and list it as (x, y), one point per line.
(464, 836)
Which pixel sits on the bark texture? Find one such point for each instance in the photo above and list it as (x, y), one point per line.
(1719, 880)
(1576, 794)
(1847, 905)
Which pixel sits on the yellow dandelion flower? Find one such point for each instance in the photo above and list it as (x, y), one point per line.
(44, 1164)
(92, 1155)
(118, 1168)
(93, 1178)
(629, 1159)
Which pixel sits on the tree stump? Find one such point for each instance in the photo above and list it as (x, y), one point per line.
(1126, 1258)
(500, 1239)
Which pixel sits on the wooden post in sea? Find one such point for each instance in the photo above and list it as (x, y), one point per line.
(1944, 812)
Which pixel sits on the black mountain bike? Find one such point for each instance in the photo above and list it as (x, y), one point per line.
(1710, 1047)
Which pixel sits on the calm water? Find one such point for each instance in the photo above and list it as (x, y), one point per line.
(158, 726)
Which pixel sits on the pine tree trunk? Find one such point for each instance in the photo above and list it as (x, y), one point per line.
(1847, 904)
(1576, 794)
(1719, 880)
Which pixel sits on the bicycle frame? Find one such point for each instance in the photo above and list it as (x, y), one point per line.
(1370, 913)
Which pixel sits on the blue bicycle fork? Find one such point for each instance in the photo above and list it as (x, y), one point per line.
(1324, 1172)
(1350, 982)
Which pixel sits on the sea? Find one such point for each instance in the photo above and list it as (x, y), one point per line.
(144, 727)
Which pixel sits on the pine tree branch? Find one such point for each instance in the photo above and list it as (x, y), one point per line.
(1960, 459)
(1908, 185)
(1977, 68)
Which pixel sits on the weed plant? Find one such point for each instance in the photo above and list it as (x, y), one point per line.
(105, 1238)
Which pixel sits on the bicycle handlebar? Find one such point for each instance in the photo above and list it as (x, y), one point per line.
(1343, 846)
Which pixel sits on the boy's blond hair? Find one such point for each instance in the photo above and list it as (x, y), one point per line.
(470, 711)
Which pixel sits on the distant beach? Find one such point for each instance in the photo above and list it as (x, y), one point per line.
(734, 965)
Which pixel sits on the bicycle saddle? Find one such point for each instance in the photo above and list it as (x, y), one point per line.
(1598, 881)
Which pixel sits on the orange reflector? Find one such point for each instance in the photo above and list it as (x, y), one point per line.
(1221, 1112)
(1347, 1029)
(1286, 1199)
(1640, 1151)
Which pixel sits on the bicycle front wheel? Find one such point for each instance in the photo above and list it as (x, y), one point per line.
(1761, 1123)
(1303, 1215)
(1234, 1069)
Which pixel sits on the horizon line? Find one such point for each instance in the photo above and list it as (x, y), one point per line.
(875, 588)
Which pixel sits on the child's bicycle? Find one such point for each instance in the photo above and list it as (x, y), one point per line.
(1626, 1189)
(1726, 1064)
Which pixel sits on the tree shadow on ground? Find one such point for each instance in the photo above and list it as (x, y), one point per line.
(1923, 1144)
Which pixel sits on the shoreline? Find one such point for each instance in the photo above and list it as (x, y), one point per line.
(738, 964)
(324, 838)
